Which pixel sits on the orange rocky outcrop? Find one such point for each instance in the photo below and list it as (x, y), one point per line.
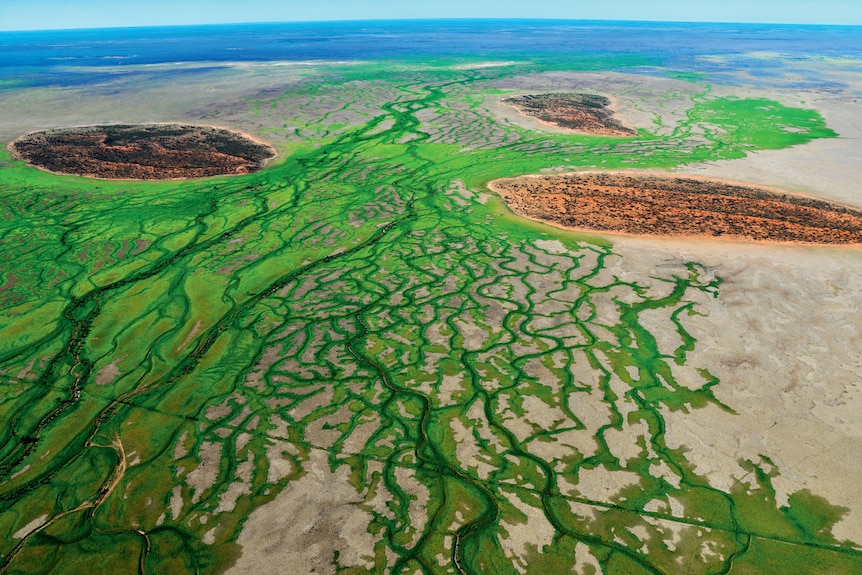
(143, 152)
(660, 205)
(586, 113)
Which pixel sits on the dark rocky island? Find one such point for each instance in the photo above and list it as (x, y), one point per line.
(650, 204)
(143, 152)
(587, 113)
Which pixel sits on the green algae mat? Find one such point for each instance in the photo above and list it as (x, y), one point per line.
(358, 361)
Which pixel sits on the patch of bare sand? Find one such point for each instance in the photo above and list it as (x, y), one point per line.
(532, 531)
(301, 530)
(785, 340)
(481, 65)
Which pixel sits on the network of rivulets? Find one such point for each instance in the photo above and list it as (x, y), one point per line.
(356, 333)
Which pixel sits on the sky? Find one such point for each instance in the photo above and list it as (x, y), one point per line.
(58, 14)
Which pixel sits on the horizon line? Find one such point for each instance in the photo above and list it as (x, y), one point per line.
(442, 19)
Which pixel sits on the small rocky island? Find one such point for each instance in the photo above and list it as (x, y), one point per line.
(143, 151)
(586, 113)
(671, 205)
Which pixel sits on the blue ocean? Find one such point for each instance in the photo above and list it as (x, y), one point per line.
(39, 58)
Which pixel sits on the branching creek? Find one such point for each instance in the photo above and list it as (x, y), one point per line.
(480, 394)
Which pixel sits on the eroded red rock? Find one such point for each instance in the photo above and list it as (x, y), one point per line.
(586, 113)
(143, 152)
(650, 204)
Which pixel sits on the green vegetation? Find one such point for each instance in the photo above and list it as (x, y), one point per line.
(758, 123)
(176, 355)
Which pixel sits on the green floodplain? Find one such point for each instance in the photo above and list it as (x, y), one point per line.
(175, 356)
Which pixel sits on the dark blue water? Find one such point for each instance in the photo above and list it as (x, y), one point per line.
(41, 57)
